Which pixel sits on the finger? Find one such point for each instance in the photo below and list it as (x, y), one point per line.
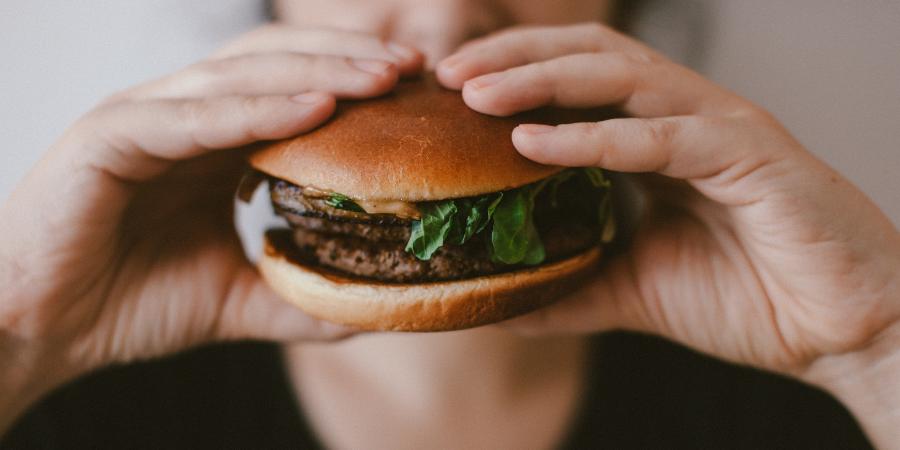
(254, 311)
(136, 141)
(272, 74)
(105, 154)
(710, 152)
(604, 305)
(521, 46)
(89, 177)
(277, 38)
(641, 87)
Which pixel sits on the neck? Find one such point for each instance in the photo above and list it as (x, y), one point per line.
(441, 390)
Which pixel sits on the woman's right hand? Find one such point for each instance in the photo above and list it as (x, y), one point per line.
(119, 244)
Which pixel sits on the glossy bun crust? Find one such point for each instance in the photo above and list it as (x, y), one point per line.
(417, 143)
(440, 306)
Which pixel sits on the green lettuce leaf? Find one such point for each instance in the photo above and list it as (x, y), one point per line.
(514, 236)
(472, 215)
(507, 218)
(432, 229)
(341, 201)
(604, 209)
(450, 222)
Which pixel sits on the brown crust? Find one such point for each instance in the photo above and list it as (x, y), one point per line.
(438, 306)
(418, 143)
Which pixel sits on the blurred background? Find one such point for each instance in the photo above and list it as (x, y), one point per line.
(829, 69)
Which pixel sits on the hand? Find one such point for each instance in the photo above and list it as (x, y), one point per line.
(749, 247)
(119, 244)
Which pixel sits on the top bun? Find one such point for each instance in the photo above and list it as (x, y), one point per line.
(418, 143)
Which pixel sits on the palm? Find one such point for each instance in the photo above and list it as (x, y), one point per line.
(158, 269)
(721, 280)
(182, 257)
(757, 255)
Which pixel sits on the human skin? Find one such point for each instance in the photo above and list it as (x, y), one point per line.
(437, 27)
(750, 249)
(119, 245)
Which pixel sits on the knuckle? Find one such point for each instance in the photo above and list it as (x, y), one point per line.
(544, 75)
(596, 32)
(93, 129)
(598, 133)
(190, 114)
(233, 117)
(660, 131)
(204, 76)
(628, 61)
(193, 117)
(251, 108)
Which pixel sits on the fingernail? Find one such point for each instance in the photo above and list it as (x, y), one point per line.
(486, 80)
(401, 51)
(309, 98)
(533, 128)
(373, 66)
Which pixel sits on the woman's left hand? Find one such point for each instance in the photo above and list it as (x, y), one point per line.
(750, 248)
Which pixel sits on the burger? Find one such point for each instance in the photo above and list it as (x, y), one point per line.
(413, 212)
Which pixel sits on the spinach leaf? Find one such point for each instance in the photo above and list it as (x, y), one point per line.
(341, 201)
(430, 232)
(508, 216)
(473, 214)
(457, 233)
(595, 175)
(514, 236)
(604, 208)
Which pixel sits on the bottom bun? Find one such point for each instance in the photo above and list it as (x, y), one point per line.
(437, 306)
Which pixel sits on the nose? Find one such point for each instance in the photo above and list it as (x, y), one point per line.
(438, 27)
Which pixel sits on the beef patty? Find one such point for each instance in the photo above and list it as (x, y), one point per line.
(374, 245)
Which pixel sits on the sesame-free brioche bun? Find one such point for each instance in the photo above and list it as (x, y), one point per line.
(438, 306)
(420, 142)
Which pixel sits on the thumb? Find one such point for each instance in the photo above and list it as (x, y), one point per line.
(609, 302)
(254, 311)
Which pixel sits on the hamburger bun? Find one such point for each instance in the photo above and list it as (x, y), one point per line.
(419, 143)
(436, 306)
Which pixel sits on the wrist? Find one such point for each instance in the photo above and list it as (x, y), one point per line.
(27, 373)
(31, 362)
(20, 380)
(867, 382)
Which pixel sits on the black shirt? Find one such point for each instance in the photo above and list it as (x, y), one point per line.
(646, 393)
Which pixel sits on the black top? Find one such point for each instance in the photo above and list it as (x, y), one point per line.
(647, 394)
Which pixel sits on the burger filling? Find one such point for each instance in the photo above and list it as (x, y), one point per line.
(454, 239)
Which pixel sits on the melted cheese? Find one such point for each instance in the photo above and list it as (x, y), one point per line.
(396, 207)
(399, 208)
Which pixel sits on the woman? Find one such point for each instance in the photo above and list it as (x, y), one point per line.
(750, 249)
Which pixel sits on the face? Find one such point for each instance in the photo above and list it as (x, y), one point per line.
(437, 27)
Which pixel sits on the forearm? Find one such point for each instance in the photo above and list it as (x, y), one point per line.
(26, 374)
(868, 384)
(30, 363)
